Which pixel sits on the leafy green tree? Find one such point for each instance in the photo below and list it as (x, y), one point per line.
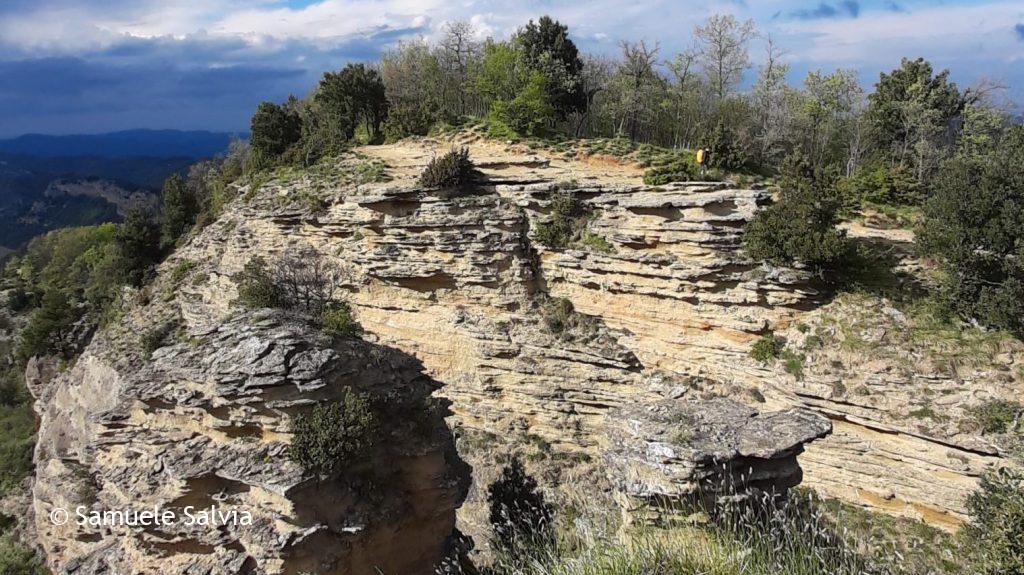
(975, 222)
(178, 210)
(273, 130)
(137, 239)
(547, 50)
(413, 83)
(801, 225)
(912, 112)
(356, 93)
(529, 113)
(514, 92)
(49, 329)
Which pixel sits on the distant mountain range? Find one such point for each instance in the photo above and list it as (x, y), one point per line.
(130, 143)
(48, 182)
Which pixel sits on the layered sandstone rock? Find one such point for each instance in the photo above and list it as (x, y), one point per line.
(679, 454)
(453, 279)
(204, 425)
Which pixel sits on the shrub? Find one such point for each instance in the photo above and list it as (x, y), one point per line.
(17, 559)
(520, 517)
(562, 319)
(974, 222)
(678, 170)
(995, 416)
(996, 530)
(887, 185)
(337, 322)
(568, 219)
(157, 337)
(767, 348)
(801, 226)
(273, 130)
(18, 300)
(307, 282)
(450, 170)
(256, 286)
(334, 434)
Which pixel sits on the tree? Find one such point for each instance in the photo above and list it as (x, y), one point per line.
(827, 116)
(913, 111)
(519, 515)
(414, 84)
(357, 94)
(974, 221)
(547, 49)
(801, 225)
(637, 84)
(335, 435)
(273, 130)
(178, 210)
(137, 240)
(49, 329)
(723, 51)
(456, 55)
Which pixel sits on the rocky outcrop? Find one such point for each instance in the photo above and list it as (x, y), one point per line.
(454, 279)
(677, 455)
(201, 430)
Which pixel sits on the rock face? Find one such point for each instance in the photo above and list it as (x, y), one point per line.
(676, 454)
(204, 425)
(663, 320)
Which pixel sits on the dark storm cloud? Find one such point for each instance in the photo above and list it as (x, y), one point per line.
(195, 82)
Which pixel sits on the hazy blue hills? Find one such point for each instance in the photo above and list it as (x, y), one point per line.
(130, 143)
(47, 182)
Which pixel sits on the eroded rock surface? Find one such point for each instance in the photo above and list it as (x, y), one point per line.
(677, 454)
(204, 423)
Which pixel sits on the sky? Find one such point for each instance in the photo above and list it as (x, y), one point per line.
(91, 66)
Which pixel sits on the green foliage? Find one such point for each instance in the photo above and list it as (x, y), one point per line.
(138, 243)
(569, 218)
(273, 130)
(181, 270)
(801, 225)
(886, 185)
(353, 96)
(17, 439)
(450, 170)
(975, 222)
(178, 210)
(768, 348)
(256, 286)
(335, 435)
(997, 523)
(336, 321)
(682, 169)
(996, 415)
(547, 50)
(413, 81)
(157, 337)
(17, 559)
(727, 151)
(910, 108)
(528, 114)
(49, 328)
(520, 517)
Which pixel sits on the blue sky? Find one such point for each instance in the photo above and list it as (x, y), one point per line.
(91, 66)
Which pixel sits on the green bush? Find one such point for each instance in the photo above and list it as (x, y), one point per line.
(153, 339)
(334, 435)
(996, 530)
(767, 348)
(996, 415)
(974, 222)
(521, 520)
(450, 170)
(273, 129)
(678, 170)
(256, 286)
(568, 218)
(887, 185)
(562, 320)
(337, 322)
(529, 113)
(801, 225)
(16, 559)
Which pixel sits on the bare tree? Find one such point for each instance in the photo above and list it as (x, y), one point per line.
(723, 55)
(308, 281)
(637, 80)
(455, 53)
(771, 98)
(684, 96)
